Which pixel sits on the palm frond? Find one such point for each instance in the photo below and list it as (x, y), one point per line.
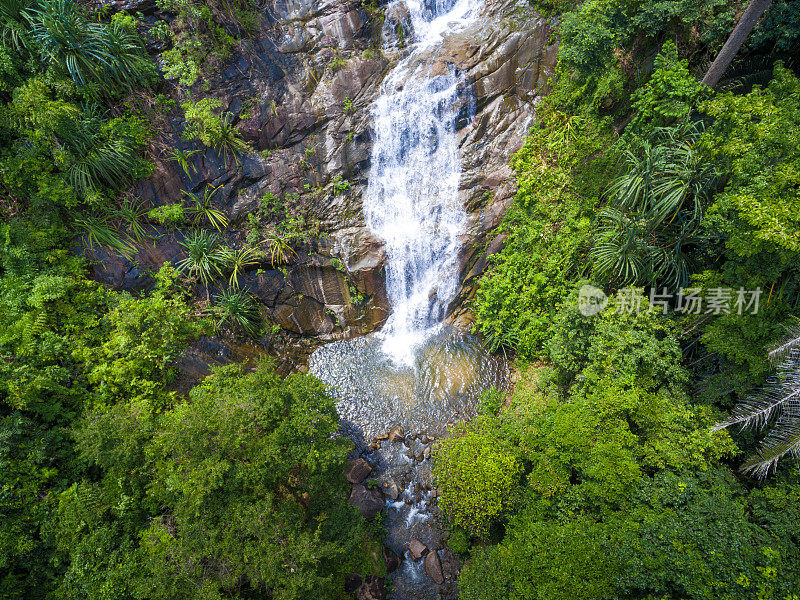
(781, 351)
(237, 307)
(237, 262)
(99, 232)
(202, 207)
(775, 406)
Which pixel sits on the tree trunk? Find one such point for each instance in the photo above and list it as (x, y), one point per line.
(735, 41)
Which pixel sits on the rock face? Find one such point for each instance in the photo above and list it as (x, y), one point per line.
(300, 92)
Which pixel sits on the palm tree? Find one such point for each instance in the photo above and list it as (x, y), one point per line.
(88, 53)
(776, 407)
(201, 206)
(654, 210)
(205, 258)
(236, 261)
(238, 308)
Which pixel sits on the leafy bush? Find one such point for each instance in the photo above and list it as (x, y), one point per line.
(168, 214)
(214, 130)
(476, 473)
(111, 56)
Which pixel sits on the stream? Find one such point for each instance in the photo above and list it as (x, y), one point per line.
(416, 372)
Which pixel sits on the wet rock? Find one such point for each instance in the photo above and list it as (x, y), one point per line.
(357, 470)
(426, 454)
(382, 436)
(372, 589)
(433, 567)
(396, 434)
(369, 502)
(416, 549)
(390, 489)
(391, 559)
(352, 582)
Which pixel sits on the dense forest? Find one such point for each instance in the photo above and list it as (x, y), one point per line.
(646, 451)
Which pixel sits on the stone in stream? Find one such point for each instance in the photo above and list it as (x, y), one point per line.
(391, 559)
(433, 567)
(369, 502)
(426, 454)
(396, 434)
(416, 549)
(390, 489)
(371, 589)
(357, 470)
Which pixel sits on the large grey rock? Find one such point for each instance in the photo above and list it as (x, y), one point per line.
(357, 470)
(433, 567)
(416, 549)
(396, 434)
(390, 489)
(391, 560)
(368, 501)
(372, 589)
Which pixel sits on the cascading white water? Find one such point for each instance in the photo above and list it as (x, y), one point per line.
(415, 373)
(411, 201)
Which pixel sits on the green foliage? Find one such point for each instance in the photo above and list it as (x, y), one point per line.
(201, 36)
(71, 346)
(168, 214)
(669, 95)
(754, 139)
(652, 220)
(214, 130)
(237, 308)
(202, 208)
(239, 488)
(476, 473)
(237, 261)
(111, 57)
(60, 154)
(205, 257)
(561, 171)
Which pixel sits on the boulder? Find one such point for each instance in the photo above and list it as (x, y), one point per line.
(352, 582)
(391, 559)
(357, 470)
(390, 489)
(426, 454)
(433, 567)
(396, 434)
(369, 502)
(371, 589)
(416, 549)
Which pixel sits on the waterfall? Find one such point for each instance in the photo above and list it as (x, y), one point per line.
(411, 201)
(416, 372)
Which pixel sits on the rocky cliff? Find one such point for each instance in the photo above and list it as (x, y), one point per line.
(300, 91)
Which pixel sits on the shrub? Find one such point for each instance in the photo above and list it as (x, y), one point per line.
(477, 473)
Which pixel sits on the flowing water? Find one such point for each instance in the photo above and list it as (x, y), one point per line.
(416, 372)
